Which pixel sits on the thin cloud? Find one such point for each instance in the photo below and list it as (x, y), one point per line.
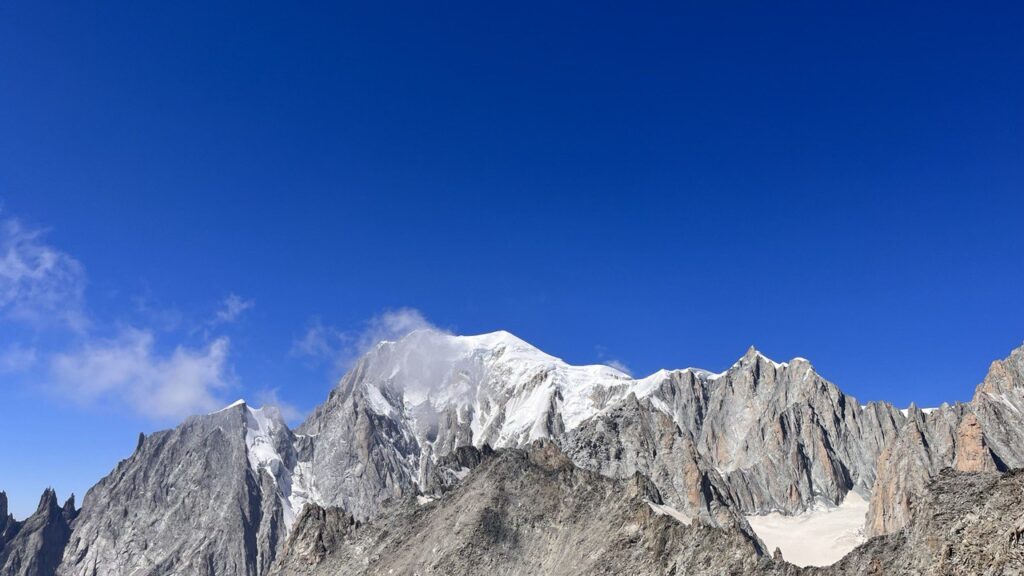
(604, 358)
(621, 367)
(127, 370)
(18, 358)
(319, 342)
(231, 308)
(269, 397)
(339, 349)
(39, 284)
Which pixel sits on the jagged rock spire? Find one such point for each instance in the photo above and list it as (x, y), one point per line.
(47, 501)
(69, 509)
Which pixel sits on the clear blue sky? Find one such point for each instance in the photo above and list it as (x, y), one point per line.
(656, 186)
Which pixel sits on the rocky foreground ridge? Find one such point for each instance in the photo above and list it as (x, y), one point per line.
(531, 511)
(418, 418)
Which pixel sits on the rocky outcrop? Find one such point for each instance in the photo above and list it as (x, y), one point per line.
(526, 512)
(188, 501)
(8, 525)
(983, 435)
(972, 453)
(439, 475)
(317, 532)
(998, 404)
(963, 524)
(35, 547)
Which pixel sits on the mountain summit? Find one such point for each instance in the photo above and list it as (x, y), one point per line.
(221, 493)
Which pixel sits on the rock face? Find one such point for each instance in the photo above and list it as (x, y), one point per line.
(409, 402)
(530, 511)
(523, 511)
(8, 525)
(759, 437)
(972, 452)
(421, 418)
(985, 434)
(964, 524)
(35, 547)
(188, 501)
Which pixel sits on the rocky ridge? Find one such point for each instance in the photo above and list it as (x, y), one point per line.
(188, 501)
(522, 512)
(964, 524)
(220, 493)
(35, 547)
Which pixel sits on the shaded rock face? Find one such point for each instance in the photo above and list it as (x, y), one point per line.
(186, 502)
(963, 524)
(35, 547)
(524, 511)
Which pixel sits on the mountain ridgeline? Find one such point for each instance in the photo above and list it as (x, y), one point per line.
(477, 454)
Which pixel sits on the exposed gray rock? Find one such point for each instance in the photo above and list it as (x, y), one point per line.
(759, 437)
(523, 512)
(985, 434)
(35, 547)
(963, 524)
(439, 475)
(636, 438)
(532, 512)
(221, 493)
(359, 456)
(186, 502)
(8, 525)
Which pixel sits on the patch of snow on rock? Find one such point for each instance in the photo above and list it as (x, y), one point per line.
(818, 537)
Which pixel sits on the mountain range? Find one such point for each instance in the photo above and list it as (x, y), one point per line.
(442, 454)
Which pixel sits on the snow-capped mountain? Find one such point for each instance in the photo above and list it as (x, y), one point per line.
(220, 493)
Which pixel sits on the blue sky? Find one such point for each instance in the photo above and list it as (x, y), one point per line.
(205, 202)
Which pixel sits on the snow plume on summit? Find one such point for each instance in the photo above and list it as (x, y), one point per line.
(339, 349)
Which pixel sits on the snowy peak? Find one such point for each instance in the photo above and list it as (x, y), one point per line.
(502, 391)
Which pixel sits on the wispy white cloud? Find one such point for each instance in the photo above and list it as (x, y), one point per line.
(17, 358)
(319, 342)
(269, 397)
(391, 325)
(340, 348)
(231, 308)
(604, 358)
(128, 371)
(39, 284)
(621, 367)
